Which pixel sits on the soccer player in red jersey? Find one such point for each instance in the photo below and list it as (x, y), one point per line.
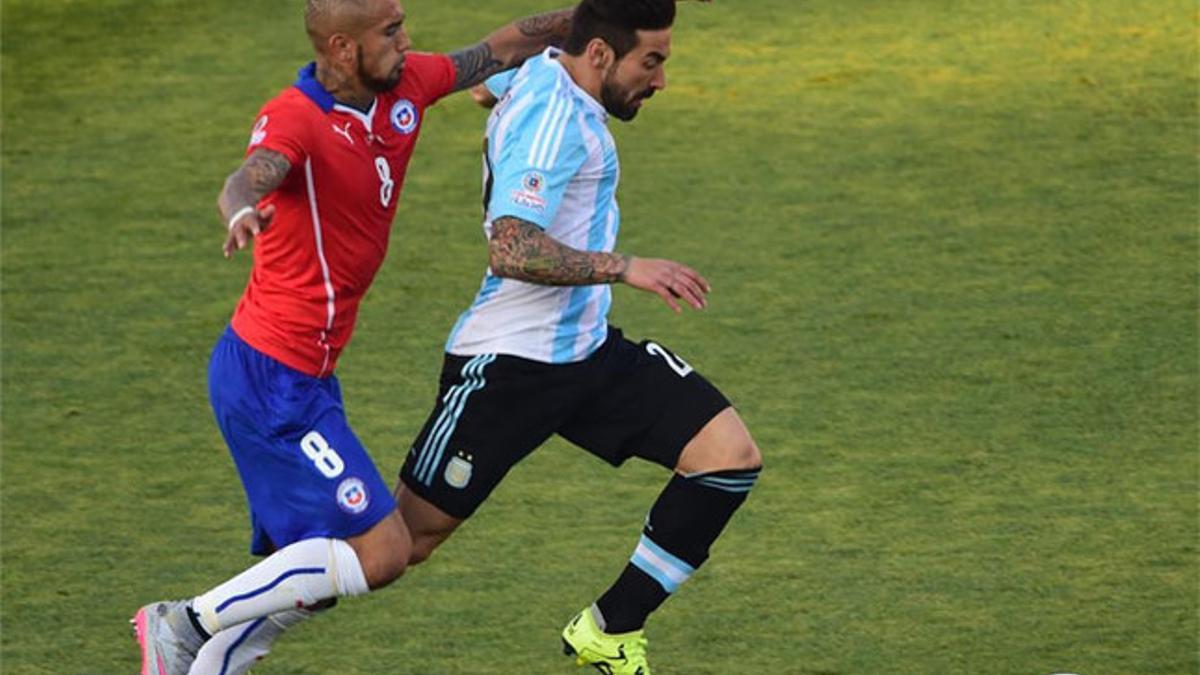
(318, 191)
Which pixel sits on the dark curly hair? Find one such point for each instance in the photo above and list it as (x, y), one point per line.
(616, 22)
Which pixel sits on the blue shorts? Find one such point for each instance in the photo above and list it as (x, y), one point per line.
(305, 472)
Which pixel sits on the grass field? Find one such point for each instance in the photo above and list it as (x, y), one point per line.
(954, 255)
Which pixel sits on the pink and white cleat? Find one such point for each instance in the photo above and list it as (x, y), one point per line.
(168, 640)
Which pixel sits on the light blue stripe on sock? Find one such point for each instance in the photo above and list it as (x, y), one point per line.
(727, 481)
(727, 488)
(668, 584)
(668, 570)
(681, 566)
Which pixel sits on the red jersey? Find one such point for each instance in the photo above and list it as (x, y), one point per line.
(333, 211)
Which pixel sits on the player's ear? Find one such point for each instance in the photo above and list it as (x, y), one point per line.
(341, 48)
(600, 55)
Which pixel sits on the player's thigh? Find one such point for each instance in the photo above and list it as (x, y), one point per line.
(305, 472)
(648, 402)
(325, 475)
(490, 413)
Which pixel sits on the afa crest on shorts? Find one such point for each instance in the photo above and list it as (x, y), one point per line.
(404, 116)
(352, 496)
(458, 471)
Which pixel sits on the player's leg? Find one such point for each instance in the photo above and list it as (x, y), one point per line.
(490, 412)
(655, 406)
(382, 554)
(312, 489)
(236, 649)
(713, 477)
(428, 525)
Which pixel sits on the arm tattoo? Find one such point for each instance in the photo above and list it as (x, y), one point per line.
(552, 28)
(473, 65)
(265, 170)
(262, 172)
(509, 46)
(521, 250)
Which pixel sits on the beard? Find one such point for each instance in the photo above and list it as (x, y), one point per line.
(619, 102)
(377, 84)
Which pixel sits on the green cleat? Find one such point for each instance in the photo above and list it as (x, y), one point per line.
(618, 654)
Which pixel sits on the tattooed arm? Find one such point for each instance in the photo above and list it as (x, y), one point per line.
(262, 172)
(521, 250)
(507, 47)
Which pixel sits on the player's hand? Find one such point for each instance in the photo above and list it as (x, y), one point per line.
(245, 228)
(483, 96)
(670, 280)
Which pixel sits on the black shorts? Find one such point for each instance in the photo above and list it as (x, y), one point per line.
(626, 400)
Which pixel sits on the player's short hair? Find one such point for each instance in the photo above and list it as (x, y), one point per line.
(325, 17)
(616, 22)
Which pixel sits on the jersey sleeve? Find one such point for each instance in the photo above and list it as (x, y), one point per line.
(499, 83)
(428, 77)
(282, 127)
(534, 160)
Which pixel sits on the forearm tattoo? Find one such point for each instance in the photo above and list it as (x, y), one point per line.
(262, 172)
(551, 29)
(521, 250)
(474, 65)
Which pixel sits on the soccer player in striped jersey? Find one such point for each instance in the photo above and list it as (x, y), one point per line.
(534, 354)
(317, 191)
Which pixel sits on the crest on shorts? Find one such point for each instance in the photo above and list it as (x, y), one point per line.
(458, 470)
(404, 116)
(352, 496)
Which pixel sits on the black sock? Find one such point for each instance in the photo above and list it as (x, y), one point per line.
(688, 517)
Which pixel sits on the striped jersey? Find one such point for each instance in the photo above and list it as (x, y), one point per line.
(333, 211)
(549, 160)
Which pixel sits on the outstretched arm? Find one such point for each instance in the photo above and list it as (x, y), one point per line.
(509, 46)
(262, 172)
(520, 250)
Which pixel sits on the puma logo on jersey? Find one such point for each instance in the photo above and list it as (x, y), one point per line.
(343, 131)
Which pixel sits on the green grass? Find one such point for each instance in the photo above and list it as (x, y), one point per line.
(954, 254)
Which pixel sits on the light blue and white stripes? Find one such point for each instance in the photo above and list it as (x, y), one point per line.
(668, 570)
(453, 403)
(553, 126)
(729, 481)
(552, 162)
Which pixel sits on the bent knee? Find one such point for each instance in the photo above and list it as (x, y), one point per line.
(724, 444)
(422, 549)
(382, 569)
(384, 552)
(745, 455)
(740, 456)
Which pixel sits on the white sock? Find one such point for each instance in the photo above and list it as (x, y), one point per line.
(234, 650)
(296, 576)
